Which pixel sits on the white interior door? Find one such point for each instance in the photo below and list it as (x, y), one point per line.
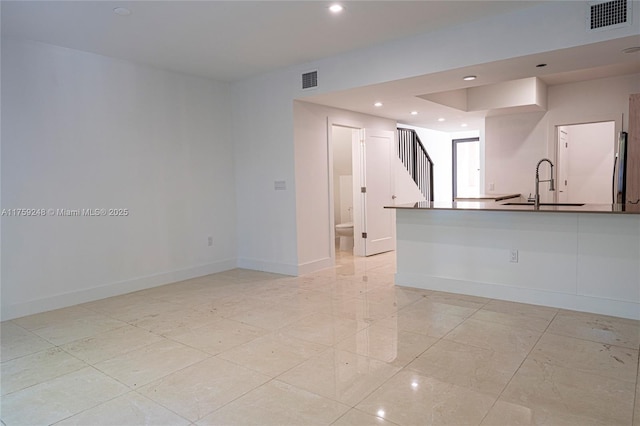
(585, 161)
(378, 230)
(467, 168)
(563, 166)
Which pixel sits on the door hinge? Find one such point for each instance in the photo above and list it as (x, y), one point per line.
(363, 189)
(364, 235)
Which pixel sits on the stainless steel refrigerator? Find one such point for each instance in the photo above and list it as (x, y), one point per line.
(620, 170)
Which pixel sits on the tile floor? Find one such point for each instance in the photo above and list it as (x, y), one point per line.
(339, 347)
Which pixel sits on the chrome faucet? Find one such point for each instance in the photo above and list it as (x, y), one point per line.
(550, 180)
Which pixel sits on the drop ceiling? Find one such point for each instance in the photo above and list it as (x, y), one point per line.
(587, 62)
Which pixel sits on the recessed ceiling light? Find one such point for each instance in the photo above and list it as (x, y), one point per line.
(378, 104)
(541, 65)
(441, 119)
(463, 125)
(414, 112)
(469, 78)
(122, 11)
(631, 49)
(336, 8)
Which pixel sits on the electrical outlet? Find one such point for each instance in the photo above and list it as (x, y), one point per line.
(210, 241)
(492, 186)
(513, 256)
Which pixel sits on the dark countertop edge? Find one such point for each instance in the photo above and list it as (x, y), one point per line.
(629, 209)
(507, 197)
(487, 197)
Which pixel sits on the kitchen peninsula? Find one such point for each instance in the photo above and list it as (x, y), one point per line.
(584, 258)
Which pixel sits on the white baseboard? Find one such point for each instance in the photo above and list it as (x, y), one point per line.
(112, 289)
(266, 266)
(575, 302)
(314, 266)
(286, 269)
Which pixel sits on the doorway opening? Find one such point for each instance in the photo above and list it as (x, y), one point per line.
(342, 177)
(466, 167)
(585, 157)
(361, 160)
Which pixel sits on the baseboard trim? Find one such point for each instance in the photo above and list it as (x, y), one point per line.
(596, 305)
(314, 266)
(112, 289)
(266, 266)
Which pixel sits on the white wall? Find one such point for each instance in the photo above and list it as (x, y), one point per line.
(312, 179)
(513, 146)
(515, 143)
(528, 94)
(262, 117)
(86, 131)
(406, 190)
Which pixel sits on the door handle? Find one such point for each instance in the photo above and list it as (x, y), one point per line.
(393, 197)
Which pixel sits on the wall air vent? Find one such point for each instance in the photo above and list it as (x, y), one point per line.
(609, 14)
(310, 80)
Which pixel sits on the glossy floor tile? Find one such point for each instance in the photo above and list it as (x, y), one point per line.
(340, 375)
(109, 344)
(273, 354)
(218, 336)
(128, 409)
(16, 342)
(555, 392)
(616, 362)
(324, 329)
(196, 391)
(482, 370)
(494, 336)
(60, 332)
(59, 398)
(393, 346)
(276, 403)
(516, 315)
(597, 328)
(342, 346)
(410, 398)
(355, 417)
(39, 367)
(144, 365)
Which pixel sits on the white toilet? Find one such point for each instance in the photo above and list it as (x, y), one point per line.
(345, 232)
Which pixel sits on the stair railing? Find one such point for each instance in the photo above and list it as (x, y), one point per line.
(416, 160)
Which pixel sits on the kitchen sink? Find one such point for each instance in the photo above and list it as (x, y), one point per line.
(545, 204)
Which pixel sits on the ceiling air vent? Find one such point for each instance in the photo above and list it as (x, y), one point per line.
(310, 80)
(605, 15)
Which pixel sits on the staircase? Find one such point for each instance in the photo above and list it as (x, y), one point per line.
(416, 160)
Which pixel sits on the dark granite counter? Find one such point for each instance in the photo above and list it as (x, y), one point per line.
(521, 207)
(489, 197)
